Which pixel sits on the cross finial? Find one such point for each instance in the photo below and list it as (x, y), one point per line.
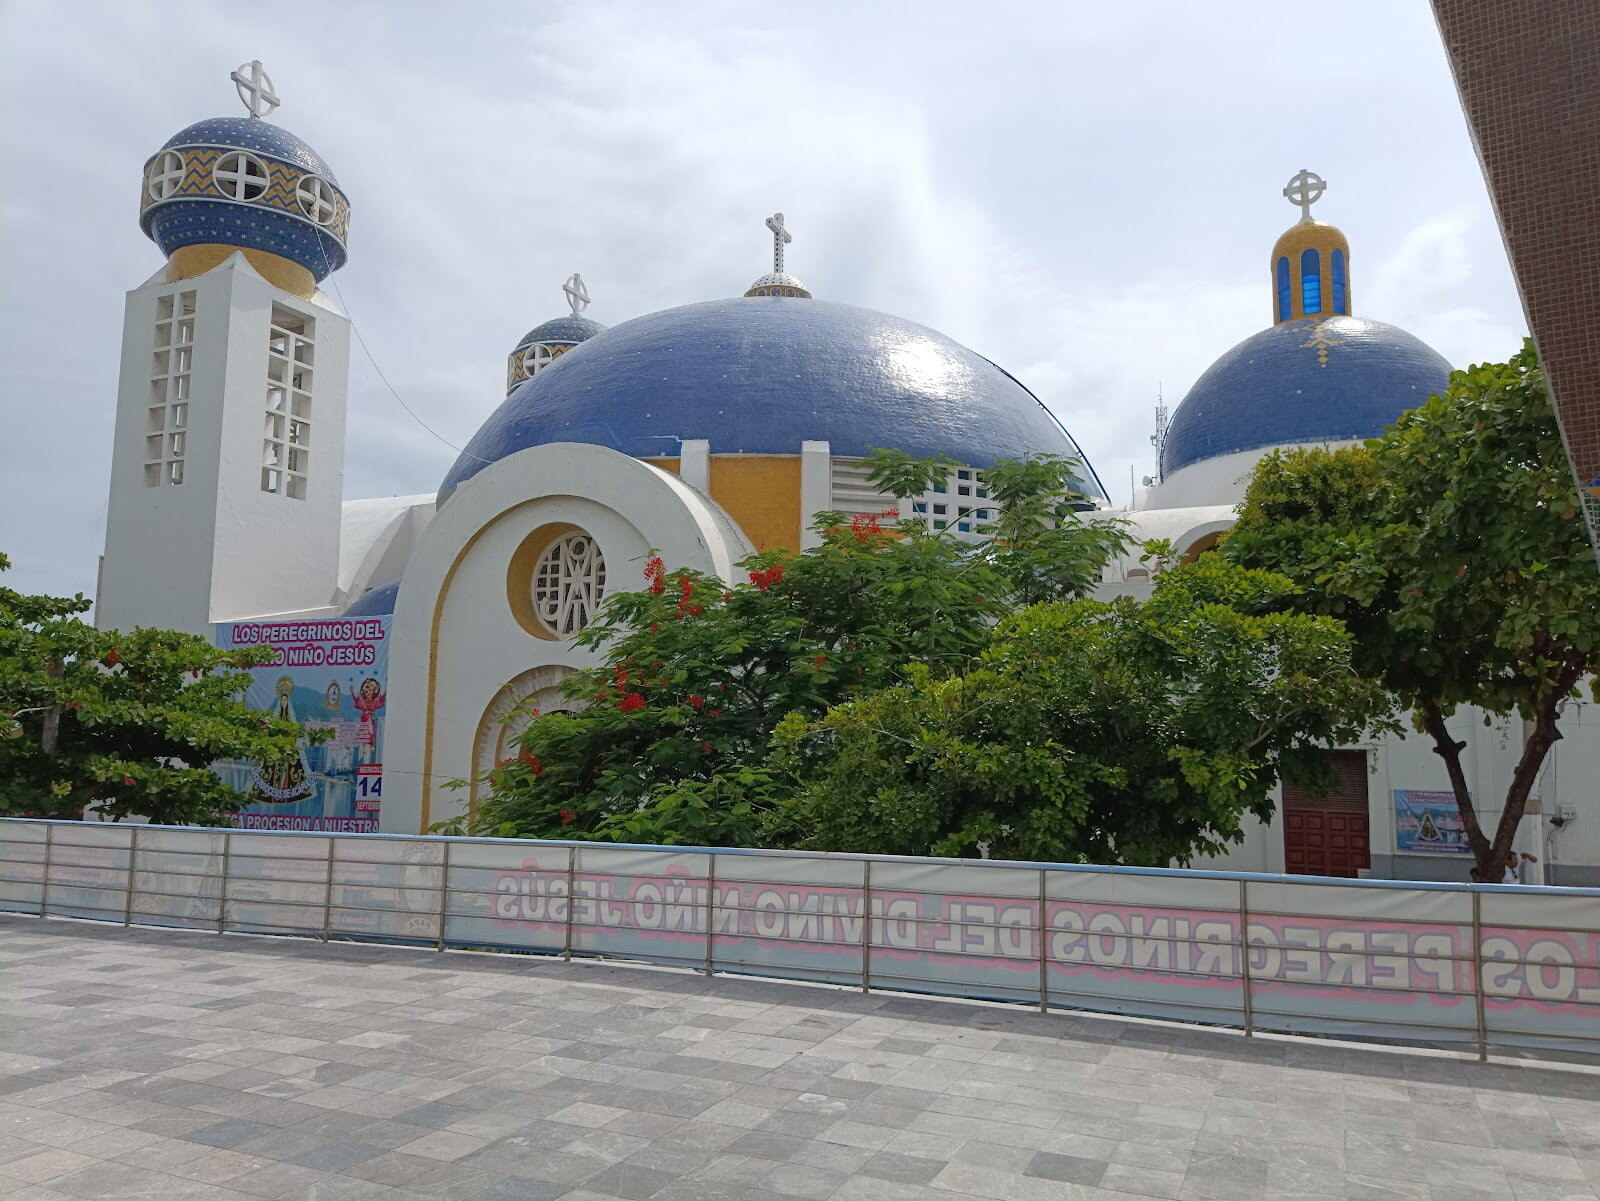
(1305, 189)
(255, 88)
(577, 293)
(780, 236)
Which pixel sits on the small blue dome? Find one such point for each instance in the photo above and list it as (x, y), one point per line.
(1318, 379)
(300, 213)
(760, 376)
(377, 601)
(562, 329)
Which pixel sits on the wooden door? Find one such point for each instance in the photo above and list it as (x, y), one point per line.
(1329, 835)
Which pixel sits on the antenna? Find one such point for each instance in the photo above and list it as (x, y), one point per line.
(1159, 438)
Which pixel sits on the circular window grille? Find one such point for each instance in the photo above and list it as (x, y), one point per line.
(568, 582)
(240, 176)
(165, 174)
(316, 198)
(539, 356)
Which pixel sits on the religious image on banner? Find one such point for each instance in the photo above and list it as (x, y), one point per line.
(326, 675)
(1428, 823)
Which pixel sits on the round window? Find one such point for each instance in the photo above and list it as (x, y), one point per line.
(240, 176)
(539, 356)
(569, 580)
(165, 173)
(317, 199)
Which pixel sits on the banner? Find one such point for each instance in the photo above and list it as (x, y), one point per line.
(1428, 823)
(327, 675)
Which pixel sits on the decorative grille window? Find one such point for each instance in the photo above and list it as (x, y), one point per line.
(165, 174)
(286, 435)
(569, 581)
(166, 430)
(316, 198)
(240, 176)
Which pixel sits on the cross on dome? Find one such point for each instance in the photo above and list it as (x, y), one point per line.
(780, 236)
(577, 293)
(1305, 189)
(255, 88)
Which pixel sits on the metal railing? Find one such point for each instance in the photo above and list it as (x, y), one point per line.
(1403, 961)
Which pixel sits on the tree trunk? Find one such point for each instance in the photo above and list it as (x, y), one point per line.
(1448, 749)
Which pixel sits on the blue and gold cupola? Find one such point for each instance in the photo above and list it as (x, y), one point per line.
(241, 184)
(544, 344)
(1311, 261)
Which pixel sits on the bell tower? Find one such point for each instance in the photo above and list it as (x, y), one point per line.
(228, 464)
(1311, 260)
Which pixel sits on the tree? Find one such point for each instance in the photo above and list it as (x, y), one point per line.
(1454, 550)
(672, 743)
(1127, 732)
(127, 721)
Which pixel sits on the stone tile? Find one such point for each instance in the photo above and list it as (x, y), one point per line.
(1071, 1169)
(335, 1156)
(521, 1188)
(1141, 1182)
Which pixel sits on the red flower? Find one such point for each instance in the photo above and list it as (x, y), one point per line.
(112, 658)
(864, 525)
(696, 700)
(127, 781)
(716, 713)
(765, 578)
(631, 703)
(655, 627)
(705, 748)
(656, 572)
(568, 817)
(195, 673)
(621, 676)
(819, 659)
(601, 695)
(534, 763)
(74, 706)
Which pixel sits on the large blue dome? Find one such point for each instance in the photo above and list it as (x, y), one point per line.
(297, 212)
(1319, 379)
(761, 375)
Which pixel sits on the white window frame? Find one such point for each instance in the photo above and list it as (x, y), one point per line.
(317, 199)
(166, 172)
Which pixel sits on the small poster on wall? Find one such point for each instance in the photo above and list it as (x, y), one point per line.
(1428, 823)
(327, 675)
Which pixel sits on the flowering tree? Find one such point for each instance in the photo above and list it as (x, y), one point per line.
(1129, 732)
(673, 742)
(1454, 550)
(129, 721)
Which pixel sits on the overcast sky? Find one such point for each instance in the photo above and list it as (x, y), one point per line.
(1086, 193)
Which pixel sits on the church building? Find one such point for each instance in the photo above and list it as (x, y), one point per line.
(700, 433)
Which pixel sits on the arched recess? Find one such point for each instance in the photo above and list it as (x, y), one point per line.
(507, 715)
(1201, 545)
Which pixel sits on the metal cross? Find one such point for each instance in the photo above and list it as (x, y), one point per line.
(779, 237)
(577, 293)
(255, 88)
(1305, 190)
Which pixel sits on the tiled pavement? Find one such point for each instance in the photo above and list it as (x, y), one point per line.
(161, 1064)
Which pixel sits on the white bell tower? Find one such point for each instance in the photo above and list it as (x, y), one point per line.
(227, 469)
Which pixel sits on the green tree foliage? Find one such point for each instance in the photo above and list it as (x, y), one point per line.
(1454, 550)
(672, 741)
(128, 720)
(1128, 732)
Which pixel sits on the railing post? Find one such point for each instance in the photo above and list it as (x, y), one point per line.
(711, 912)
(1044, 949)
(866, 925)
(327, 894)
(133, 853)
(572, 880)
(222, 892)
(1244, 958)
(444, 892)
(1477, 974)
(44, 876)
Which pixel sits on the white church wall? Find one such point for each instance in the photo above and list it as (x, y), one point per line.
(376, 538)
(215, 546)
(1218, 481)
(457, 640)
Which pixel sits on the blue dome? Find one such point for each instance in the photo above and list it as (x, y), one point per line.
(1319, 379)
(190, 209)
(562, 329)
(252, 133)
(377, 601)
(760, 377)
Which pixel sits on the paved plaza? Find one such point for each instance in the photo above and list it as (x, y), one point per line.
(165, 1064)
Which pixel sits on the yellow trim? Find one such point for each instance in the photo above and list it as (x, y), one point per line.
(762, 494)
(186, 262)
(519, 577)
(1309, 235)
(665, 464)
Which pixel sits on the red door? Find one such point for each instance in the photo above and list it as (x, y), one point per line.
(1329, 835)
